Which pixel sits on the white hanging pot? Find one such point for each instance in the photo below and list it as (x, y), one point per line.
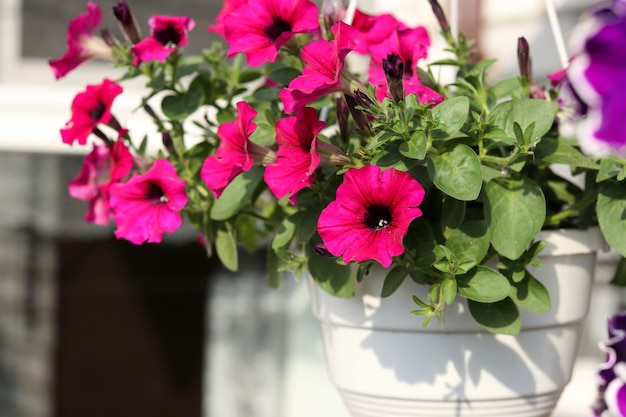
(385, 364)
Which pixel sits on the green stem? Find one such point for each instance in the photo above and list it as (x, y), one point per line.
(555, 219)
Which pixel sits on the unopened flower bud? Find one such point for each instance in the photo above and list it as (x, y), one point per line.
(127, 22)
(440, 15)
(523, 59)
(342, 117)
(394, 72)
(359, 117)
(168, 143)
(108, 39)
(321, 250)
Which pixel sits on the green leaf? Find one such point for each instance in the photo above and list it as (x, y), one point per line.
(448, 290)
(283, 76)
(505, 88)
(524, 112)
(469, 243)
(452, 214)
(531, 294)
(555, 151)
(181, 106)
(416, 147)
(610, 167)
(483, 284)
(332, 277)
(500, 317)
(284, 234)
(515, 210)
(457, 173)
(226, 246)
(237, 194)
(451, 114)
(611, 209)
(395, 277)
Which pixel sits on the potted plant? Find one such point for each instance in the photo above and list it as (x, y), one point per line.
(391, 188)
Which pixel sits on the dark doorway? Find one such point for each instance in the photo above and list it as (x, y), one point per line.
(130, 329)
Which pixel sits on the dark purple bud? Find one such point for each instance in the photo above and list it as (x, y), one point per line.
(357, 115)
(523, 59)
(321, 250)
(394, 73)
(107, 37)
(440, 15)
(127, 22)
(343, 113)
(150, 112)
(168, 143)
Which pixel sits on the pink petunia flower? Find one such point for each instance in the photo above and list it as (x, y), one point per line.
(102, 167)
(299, 154)
(261, 27)
(235, 154)
(82, 44)
(411, 45)
(90, 108)
(324, 71)
(374, 30)
(168, 33)
(230, 6)
(148, 205)
(371, 214)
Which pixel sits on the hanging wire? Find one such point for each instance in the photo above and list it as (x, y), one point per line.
(454, 17)
(350, 12)
(557, 34)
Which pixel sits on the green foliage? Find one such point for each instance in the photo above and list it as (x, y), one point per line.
(484, 157)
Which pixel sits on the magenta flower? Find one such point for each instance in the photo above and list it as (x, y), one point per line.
(82, 44)
(411, 45)
(168, 33)
(324, 71)
(261, 27)
(296, 158)
(235, 154)
(102, 168)
(148, 205)
(598, 62)
(229, 7)
(371, 214)
(90, 108)
(612, 373)
(373, 29)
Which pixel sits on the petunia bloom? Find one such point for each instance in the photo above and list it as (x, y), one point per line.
(102, 167)
(374, 30)
(148, 205)
(410, 45)
(90, 108)
(261, 27)
(371, 214)
(168, 33)
(229, 7)
(600, 60)
(299, 154)
(324, 71)
(236, 153)
(612, 373)
(82, 44)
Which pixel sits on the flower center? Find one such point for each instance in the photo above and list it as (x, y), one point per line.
(155, 194)
(97, 112)
(169, 36)
(277, 28)
(377, 217)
